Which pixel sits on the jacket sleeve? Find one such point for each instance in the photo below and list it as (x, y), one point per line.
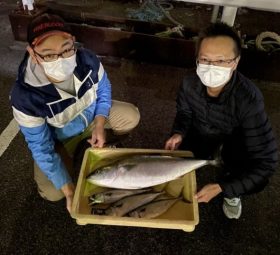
(261, 148)
(41, 144)
(38, 136)
(104, 100)
(183, 117)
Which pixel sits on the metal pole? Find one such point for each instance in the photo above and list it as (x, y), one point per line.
(229, 14)
(28, 4)
(215, 13)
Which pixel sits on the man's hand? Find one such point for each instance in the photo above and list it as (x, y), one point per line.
(173, 142)
(68, 191)
(98, 134)
(208, 192)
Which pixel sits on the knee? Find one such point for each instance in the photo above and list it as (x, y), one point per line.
(130, 119)
(52, 194)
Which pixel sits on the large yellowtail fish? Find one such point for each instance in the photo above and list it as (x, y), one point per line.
(139, 172)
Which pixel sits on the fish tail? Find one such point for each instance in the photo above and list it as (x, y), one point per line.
(217, 157)
(215, 162)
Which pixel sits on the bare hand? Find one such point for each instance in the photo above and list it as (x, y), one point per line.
(173, 142)
(68, 191)
(98, 134)
(208, 192)
(97, 138)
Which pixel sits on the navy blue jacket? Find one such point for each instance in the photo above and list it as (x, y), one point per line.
(239, 109)
(46, 113)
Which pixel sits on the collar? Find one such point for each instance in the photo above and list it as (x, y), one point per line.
(81, 71)
(32, 75)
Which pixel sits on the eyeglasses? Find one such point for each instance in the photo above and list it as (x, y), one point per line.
(205, 61)
(53, 57)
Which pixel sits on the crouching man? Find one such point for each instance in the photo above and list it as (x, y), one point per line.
(63, 94)
(217, 107)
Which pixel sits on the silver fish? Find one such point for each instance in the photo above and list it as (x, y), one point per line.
(113, 195)
(139, 172)
(153, 209)
(127, 204)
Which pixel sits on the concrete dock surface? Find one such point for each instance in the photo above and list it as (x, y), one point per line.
(31, 225)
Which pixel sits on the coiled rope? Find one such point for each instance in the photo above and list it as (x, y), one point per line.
(269, 46)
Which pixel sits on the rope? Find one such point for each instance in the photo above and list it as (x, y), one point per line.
(148, 11)
(172, 31)
(154, 10)
(166, 13)
(268, 46)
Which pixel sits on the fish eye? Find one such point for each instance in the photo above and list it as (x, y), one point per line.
(97, 171)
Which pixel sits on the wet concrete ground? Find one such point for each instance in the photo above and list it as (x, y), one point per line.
(30, 225)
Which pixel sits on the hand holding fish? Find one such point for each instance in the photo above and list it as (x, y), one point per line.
(173, 142)
(98, 134)
(68, 191)
(208, 192)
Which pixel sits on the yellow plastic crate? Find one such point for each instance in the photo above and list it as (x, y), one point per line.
(180, 216)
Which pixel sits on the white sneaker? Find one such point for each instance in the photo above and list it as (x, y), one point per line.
(232, 208)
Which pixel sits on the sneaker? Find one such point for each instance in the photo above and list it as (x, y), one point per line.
(232, 207)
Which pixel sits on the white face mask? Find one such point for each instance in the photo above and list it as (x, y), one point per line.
(60, 69)
(213, 76)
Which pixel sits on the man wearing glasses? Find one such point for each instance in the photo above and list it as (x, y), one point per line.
(62, 95)
(218, 109)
